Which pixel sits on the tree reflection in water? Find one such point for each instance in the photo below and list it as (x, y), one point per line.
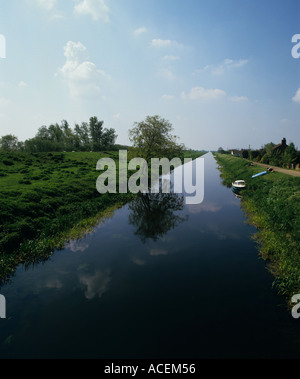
(154, 215)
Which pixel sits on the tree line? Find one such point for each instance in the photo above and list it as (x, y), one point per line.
(87, 136)
(268, 154)
(151, 138)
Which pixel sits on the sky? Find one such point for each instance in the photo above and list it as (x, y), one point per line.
(221, 72)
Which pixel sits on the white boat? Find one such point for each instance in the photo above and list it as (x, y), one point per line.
(239, 185)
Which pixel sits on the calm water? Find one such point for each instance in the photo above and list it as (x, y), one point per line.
(158, 280)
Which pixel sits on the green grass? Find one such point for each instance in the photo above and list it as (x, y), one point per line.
(272, 203)
(48, 198)
(44, 198)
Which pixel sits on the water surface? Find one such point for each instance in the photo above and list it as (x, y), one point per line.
(160, 279)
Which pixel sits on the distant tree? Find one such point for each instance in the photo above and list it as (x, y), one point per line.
(153, 138)
(254, 155)
(56, 134)
(265, 159)
(43, 133)
(40, 145)
(109, 138)
(276, 158)
(9, 142)
(96, 133)
(269, 147)
(21, 146)
(290, 155)
(62, 137)
(154, 215)
(83, 136)
(245, 154)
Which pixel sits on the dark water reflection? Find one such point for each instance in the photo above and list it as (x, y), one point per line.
(159, 280)
(154, 215)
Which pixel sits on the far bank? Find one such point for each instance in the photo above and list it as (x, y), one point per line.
(272, 204)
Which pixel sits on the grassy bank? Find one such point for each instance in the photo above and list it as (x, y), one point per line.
(272, 204)
(47, 199)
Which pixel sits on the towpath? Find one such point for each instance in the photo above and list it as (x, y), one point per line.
(278, 169)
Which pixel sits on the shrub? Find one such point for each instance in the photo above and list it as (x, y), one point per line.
(8, 162)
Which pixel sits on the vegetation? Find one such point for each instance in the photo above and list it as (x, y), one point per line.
(153, 215)
(272, 203)
(85, 137)
(48, 197)
(287, 157)
(43, 197)
(153, 138)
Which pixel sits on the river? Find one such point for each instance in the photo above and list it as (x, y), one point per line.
(160, 279)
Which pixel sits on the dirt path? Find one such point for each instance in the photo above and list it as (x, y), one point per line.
(278, 169)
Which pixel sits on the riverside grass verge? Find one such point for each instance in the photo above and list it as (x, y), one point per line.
(48, 199)
(272, 204)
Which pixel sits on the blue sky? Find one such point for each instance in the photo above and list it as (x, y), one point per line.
(220, 71)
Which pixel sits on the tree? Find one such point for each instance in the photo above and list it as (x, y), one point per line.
(43, 133)
(62, 137)
(154, 215)
(290, 155)
(108, 138)
(96, 132)
(153, 139)
(245, 154)
(269, 147)
(83, 136)
(9, 142)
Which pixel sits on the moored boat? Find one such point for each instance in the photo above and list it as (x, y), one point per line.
(239, 185)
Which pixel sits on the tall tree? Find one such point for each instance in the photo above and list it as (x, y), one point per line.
(83, 135)
(153, 139)
(9, 142)
(108, 138)
(96, 132)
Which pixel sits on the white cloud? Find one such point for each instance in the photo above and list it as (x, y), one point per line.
(201, 93)
(296, 98)
(96, 285)
(22, 84)
(78, 245)
(239, 98)
(82, 76)
(226, 65)
(47, 5)
(168, 97)
(157, 253)
(171, 58)
(4, 102)
(140, 31)
(54, 284)
(285, 121)
(163, 43)
(166, 73)
(139, 262)
(116, 116)
(97, 9)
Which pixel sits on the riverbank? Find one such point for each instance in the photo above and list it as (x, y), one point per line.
(272, 204)
(46, 199)
(279, 169)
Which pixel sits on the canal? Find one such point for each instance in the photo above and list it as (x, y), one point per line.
(160, 279)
